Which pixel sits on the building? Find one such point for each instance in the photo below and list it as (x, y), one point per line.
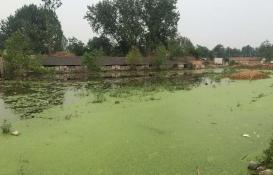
(64, 64)
(219, 61)
(246, 60)
(198, 64)
(74, 64)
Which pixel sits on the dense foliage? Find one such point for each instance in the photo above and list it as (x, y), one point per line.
(91, 60)
(268, 156)
(160, 56)
(134, 57)
(76, 46)
(39, 25)
(142, 23)
(18, 59)
(102, 43)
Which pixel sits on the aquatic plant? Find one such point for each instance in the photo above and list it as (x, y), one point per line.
(267, 159)
(99, 98)
(6, 127)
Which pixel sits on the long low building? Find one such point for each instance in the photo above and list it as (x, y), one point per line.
(246, 60)
(70, 63)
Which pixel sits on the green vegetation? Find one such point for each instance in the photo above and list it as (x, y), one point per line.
(75, 46)
(160, 56)
(91, 60)
(180, 46)
(99, 98)
(39, 25)
(174, 135)
(6, 127)
(141, 23)
(134, 57)
(267, 159)
(18, 59)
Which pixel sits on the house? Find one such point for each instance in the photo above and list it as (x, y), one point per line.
(64, 64)
(198, 64)
(219, 61)
(246, 60)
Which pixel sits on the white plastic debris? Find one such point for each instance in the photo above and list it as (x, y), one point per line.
(246, 135)
(15, 133)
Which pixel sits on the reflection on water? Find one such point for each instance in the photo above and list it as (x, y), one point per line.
(28, 98)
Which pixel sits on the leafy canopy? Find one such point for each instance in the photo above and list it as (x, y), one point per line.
(91, 60)
(160, 56)
(38, 24)
(76, 46)
(141, 23)
(18, 58)
(134, 57)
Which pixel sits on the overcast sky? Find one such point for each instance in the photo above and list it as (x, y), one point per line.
(233, 23)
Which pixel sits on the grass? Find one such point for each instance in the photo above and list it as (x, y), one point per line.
(182, 133)
(6, 127)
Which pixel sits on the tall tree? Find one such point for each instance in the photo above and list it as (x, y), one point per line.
(180, 46)
(17, 57)
(248, 51)
(219, 51)
(266, 50)
(52, 4)
(203, 52)
(98, 43)
(142, 23)
(76, 46)
(41, 26)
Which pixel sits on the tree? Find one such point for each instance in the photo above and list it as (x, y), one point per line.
(52, 4)
(134, 57)
(219, 51)
(76, 46)
(180, 46)
(101, 42)
(91, 60)
(203, 52)
(140, 23)
(41, 26)
(248, 51)
(266, 50)
(160, 56)
(17, 58)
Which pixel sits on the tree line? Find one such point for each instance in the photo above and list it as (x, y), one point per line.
(124, 28)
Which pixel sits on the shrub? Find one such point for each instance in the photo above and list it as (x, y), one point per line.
(6, 127)
(134, 57)
(99, 98)
(91, 60)
(160, 56)
(268, 156)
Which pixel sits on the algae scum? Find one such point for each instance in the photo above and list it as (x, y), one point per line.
(157, 125)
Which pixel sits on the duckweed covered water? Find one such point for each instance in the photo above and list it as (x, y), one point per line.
(164, 126)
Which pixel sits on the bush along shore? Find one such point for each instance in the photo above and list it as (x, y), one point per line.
(263, 166)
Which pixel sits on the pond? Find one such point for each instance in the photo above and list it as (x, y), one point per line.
(170, 125)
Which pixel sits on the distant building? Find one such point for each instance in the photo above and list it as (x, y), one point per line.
(198, 64)
(219, 61)
(246, 60)
(63, 64)
(70, 63)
